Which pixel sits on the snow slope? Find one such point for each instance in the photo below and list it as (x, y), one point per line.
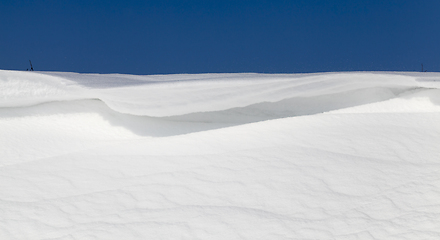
(220, 156)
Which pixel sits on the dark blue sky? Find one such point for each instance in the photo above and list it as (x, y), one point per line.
(151, 37)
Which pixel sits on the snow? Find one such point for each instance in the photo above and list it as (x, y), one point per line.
(219, 156)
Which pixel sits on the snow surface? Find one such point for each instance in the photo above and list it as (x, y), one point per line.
(220, 156)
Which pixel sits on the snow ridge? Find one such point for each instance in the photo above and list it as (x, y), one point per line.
(173, 95)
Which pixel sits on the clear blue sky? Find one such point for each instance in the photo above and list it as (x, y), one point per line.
(153, 37)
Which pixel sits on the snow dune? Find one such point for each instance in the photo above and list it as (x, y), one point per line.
(219, 156)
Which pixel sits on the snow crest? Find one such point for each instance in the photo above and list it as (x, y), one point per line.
(175, 95)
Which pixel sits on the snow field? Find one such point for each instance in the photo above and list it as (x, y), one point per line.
(221, 156)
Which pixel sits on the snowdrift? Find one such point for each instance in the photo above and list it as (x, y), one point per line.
(219, 156)
(173, 95)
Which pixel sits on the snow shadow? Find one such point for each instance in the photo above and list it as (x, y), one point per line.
(292, 107)
(202, 121)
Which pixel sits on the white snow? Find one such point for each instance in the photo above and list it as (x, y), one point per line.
(220, 156)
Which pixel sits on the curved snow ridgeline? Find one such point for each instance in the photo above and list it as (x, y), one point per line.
(351, 155)
(173, 95)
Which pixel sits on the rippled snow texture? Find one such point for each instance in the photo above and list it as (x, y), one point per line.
(220, 156)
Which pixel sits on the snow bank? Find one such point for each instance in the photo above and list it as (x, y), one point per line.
(30, 88)
(219, 156)
(174, 95)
